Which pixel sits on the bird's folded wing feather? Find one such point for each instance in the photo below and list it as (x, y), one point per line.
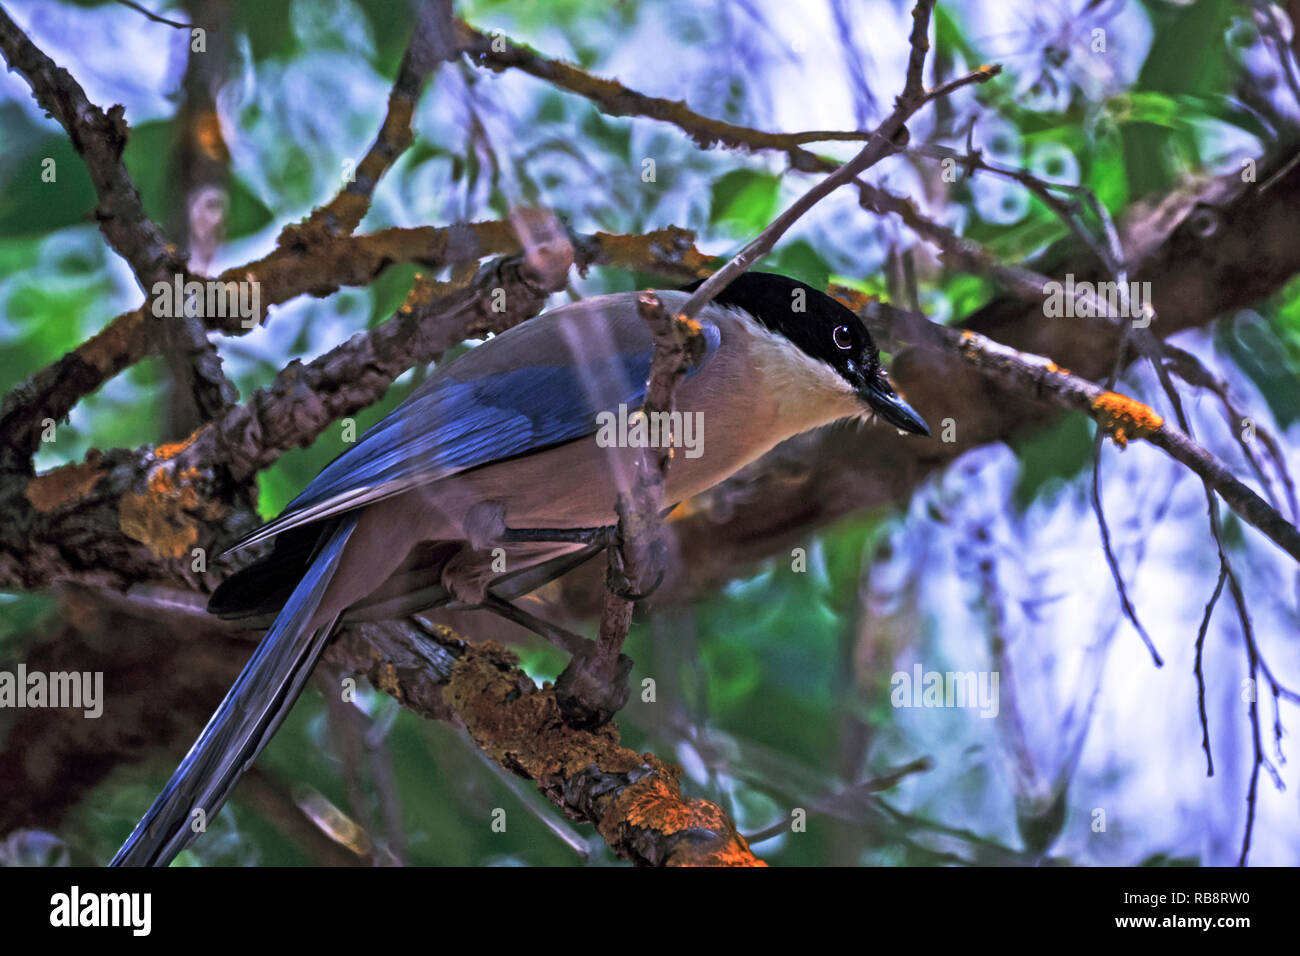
(560, 370)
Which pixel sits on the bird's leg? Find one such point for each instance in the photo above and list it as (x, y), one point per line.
(606, 536)
(602, 535)
(595, 684)
(563, 638)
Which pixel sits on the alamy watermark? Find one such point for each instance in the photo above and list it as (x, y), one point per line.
(1090, 300)
(922, 688)
(684, 430)
(80, 690)
(209, 299)
(133, 911)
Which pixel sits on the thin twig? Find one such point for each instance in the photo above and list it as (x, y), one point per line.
(887, 138)
(99, 138)
(637, 560)
(1199, 671)
(155, 17)
(432, 42)
(498, 52)
(1121, 417)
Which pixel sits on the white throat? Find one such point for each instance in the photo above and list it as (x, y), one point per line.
(808, 392)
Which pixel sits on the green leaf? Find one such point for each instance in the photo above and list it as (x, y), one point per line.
(389, 291)
(28, 204)
(799, 260)
(745, 200)
(267, 27)
(1267, 358)
(966, 293)
(1189, 56)
(1152, 107)
(1106, 175)
(1189, 53)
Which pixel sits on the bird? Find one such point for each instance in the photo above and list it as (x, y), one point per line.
(498, 455)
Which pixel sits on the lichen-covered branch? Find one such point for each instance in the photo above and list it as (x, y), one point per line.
(634, 800)
(166, 664)
(1123, 418)
(1031, 286)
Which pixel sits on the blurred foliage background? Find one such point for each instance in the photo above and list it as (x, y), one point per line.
(775, 693)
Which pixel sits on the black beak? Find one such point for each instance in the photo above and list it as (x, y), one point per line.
(884, 401)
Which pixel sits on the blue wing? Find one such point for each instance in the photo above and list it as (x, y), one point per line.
(485, 407)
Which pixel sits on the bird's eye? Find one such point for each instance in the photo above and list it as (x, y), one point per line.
(843, 337)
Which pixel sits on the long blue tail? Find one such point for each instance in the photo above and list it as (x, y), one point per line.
(248, 717)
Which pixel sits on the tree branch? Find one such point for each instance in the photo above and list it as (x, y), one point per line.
(289, 271)
(432, 42)
(888, 137)
(497, 52)
(1120, 417)
(99, 138)
(635, 801)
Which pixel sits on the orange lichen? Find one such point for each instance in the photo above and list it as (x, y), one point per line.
(681, 511)
(1125, 419)
(655, 802)
(61, 486)
(167, 516)
(689, 325)
(851, 299)
(522, 728)
(421, 293)
(172, 449)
